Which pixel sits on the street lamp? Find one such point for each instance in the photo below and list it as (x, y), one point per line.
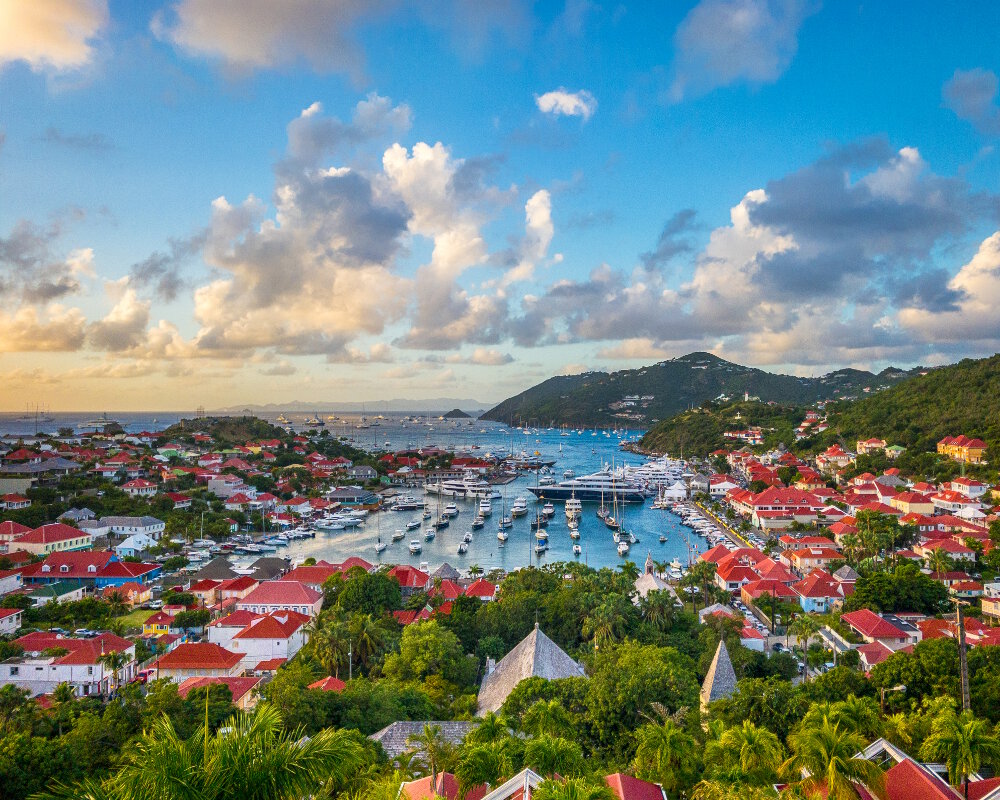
(897, 688)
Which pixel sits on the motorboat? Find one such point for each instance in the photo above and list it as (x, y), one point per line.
(542, 535)
(541, 547)
(663, 539)
(478, 523)
(413, 525)
(398, 536)
(463, 548)
(548, 510)
(470, 486)
(574, 508)
(415, 546)
(519, 508)
(577, 550)
(467, 538)
(539, 522)
(485, 507)
(506, 522)
(450, 510)
(502, 535)
(623, 548)
(603, 486)
(429, 534)
(427, 514)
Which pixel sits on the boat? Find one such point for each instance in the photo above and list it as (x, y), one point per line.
(429, 534)
(463, 548)
(502, 535)
(412, 525)
(398, 536)
(548, 480)
(98, 422)
(450, 510)
(485, 507)
(574, 508)
(663, 539)
(470, 486)
(415, 546)
(623, 548)
(607, 484)
(506, 522)
(539, 522)
(519, 508)
(427, 514)
(611, 523)
(548, 510)
(574, 533)
(315, 422)
(542, 535)
(467, 538)
(541, 547)
(441, 524)
(478, 523)
(380, 546)
(577, 550)
(569, 474)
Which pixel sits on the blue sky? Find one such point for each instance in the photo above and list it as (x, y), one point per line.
(218, 203)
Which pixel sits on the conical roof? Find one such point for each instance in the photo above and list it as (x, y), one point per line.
(720, 681)
(446, 572)
(534, 656)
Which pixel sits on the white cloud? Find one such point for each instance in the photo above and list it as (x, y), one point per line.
(25, 330)
(566, 103)
(50, 34)
(972, 95)
(722, 42)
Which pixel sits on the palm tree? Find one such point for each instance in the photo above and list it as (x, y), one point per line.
(827, 756)
(548, 718)
(658, 610)
(572, 789)
(553, 755)
(432, 747)
(746, 754)
(665, 754)
(116, 602)
(939, 560)
(114, 661)
(860, 714)
(603, 625)
(486, 763)
(718, 790)
(962, 742)
(249, 758)
(803, 629)
(63, 698)
(475, 570)
(329, 639)
(369, 639)
(490, 729)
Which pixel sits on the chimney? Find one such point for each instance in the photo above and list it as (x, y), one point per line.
(490, 665)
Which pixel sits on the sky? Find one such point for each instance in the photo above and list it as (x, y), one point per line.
(224, 202)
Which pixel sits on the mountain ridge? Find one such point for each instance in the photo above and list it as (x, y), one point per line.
(642, 396)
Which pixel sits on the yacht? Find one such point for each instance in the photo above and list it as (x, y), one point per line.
(470, 486)
(429, 534)
(569, 474)
(574, 533)
(398, 536)
(506, 522)
(574, 508)
(541, 547)
(450, 510)
(485, 507)
(519, 508)
(415, 546)
(502, 535)
(539, 522)
(380, 547)
(577, 550)
(413, 525)
(478, 523)
(623, 548)
(467, 538)
(463, 548)
(548, 510)
(598, 487)
(542, 535)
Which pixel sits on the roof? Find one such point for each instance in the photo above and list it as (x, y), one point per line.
(908, 780)
(868, 623)
(53, 532)
(81, 651)
(481, 588)
(218, 567)
(281, 593)
(328, 684)
(393, 738)
(447, 786)
(626, 787)
(198, 655)
(534, 656)
(720, 680)
(238, 686)
(278, 625)
(409, 577)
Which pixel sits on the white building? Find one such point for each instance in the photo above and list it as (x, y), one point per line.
(126, 526)
(80, 666)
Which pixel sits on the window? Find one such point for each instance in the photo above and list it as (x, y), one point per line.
(14, 671)
(90, 670)
(64, 568)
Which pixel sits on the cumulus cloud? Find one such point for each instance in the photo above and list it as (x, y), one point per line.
(50, 35)
(161, 272)
(280, 369)
(972, 95)
(723, 42)
(124, 327)
(31, 269)
(670, 243)
(26, 330)
(563, 102)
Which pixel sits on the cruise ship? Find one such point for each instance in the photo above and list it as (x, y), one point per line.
(471, 486)
(594, 488)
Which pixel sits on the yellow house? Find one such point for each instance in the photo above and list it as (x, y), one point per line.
(157, 625)
(963, 448)
(53, 538)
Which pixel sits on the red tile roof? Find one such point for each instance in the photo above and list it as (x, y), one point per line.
(447, 787)
(81, 651)
(198, 655)
(626, 787)
(482, 589)
(869, 623)
(238, 686)
(53, 532)
(409, 577)
(328, 684)
(278, 625)
(270, 593)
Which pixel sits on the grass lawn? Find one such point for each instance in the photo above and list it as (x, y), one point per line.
(136, 618)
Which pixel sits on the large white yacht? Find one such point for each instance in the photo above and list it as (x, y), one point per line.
(470, 486)
(603, 485)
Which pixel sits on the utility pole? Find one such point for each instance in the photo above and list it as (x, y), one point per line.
(962, 661)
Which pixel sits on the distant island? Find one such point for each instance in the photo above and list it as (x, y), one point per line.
(456, 413)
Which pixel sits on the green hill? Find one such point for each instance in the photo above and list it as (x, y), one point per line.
(698, 431)
(661, 390)
(225, 430)
(961, 398)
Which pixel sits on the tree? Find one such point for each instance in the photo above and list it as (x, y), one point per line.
(486, 763)
(251, 758)
(553, 755)
(369, 593)
(962, 742)
(431, 747)
(428, 648)
(548, 718)
(803, 629)
(665, 754)
(114, 661)
(747, 754)
(827, 755)
(572, 789)
(186, 620)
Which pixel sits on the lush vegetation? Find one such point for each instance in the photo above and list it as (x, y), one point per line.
(675, 385)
